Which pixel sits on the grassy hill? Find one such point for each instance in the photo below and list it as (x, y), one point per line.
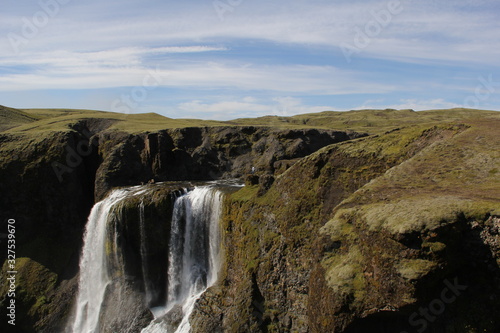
(340, 237)
(400, 212)
(370, 121)
(10, 118)
(60, 119)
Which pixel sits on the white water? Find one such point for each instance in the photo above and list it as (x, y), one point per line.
(194, 259)
(145, 269)
(94, 276)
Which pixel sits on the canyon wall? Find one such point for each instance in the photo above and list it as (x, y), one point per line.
(334, 232)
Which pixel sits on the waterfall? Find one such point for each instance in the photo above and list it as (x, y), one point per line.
(94, 275)
(192, 265)
(193, 256)
(145, 269)
(193, 251)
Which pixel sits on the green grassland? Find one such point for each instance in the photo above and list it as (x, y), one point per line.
(456, 174)
(10, 118)
(59, 119)
(371, 121)
(30, 127)
(415, 173)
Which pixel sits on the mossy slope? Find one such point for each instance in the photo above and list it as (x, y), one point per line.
(358, 235)
(282, 273)
(425, 221)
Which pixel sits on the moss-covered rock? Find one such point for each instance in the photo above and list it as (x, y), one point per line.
(357, 236)
(360, 235)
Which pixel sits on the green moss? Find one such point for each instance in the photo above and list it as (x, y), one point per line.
(40, 301)
(413, 269)
(270, 237)
(434, 247)
(271, 328)
(344, 272)
(339, 228)
(35, 284)
(412, 214)
(246, 193)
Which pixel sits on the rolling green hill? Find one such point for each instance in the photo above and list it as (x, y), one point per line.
(352, 221)
(370, 121)
(10, 118)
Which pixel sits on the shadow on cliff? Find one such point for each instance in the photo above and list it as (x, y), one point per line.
(462, 295)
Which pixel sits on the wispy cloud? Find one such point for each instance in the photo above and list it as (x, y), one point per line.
(428, 56)
(125, 67)
(424, 29)
(249, 107)
(116, 57)
(414, 104)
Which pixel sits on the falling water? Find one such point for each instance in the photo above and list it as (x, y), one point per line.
(193, 258)
(193, 244)
(193, 253)
(94, 275)
(145, 269)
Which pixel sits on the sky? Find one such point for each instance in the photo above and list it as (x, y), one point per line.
(227, 59)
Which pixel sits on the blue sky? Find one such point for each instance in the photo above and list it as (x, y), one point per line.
(225, 59)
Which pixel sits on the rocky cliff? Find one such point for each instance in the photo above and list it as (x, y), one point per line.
(205, 153)
(335, 232)
(52, 173)
(393, 233)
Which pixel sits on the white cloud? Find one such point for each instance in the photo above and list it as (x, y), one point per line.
(230, 109)
(128, 57)
(456, 31)
(94, 45)
(126, 67)
(414, 104)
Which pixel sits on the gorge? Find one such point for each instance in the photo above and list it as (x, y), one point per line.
(352, 222)
(192, 252)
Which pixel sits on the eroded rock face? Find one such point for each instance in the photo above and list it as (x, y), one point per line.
(124, 310)
(206, 153)
(50, 185)
(50, 216)
(302, 258)
(300, 254)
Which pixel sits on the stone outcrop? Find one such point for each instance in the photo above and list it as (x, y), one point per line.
(205, 153)
(334, 232)
(51, 180)
(304, 257)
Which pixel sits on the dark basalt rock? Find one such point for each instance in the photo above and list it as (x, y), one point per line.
(265, 182)
(55, 182)
(205, 153)
(251, 180)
